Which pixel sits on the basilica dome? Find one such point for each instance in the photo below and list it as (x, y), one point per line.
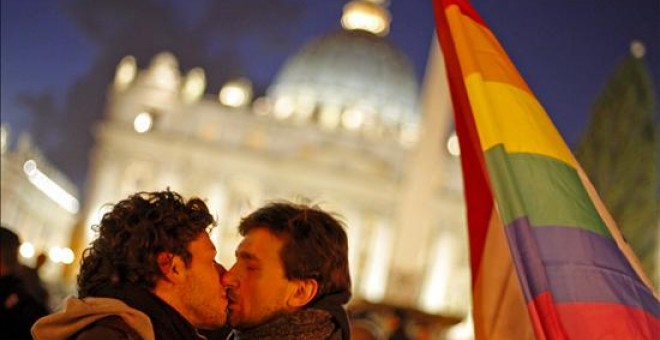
(349, 79)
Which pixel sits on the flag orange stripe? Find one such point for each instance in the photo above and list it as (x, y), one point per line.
(480, 52)
(501, 312)
(495, 88)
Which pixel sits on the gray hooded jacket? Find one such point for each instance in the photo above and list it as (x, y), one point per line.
(78, 314)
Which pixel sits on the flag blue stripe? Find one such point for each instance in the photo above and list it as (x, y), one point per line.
(575, 265)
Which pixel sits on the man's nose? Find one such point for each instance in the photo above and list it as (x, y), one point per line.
(221, 270)
(229, 280)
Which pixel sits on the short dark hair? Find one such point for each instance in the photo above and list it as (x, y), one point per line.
(132, 235)
(315, 244)
(9, 244)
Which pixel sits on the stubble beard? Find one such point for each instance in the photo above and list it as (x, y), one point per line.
(204, 309)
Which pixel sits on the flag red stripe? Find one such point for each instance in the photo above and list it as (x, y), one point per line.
(478, 195)
(465, 9)
(545, 326)
(607, 321)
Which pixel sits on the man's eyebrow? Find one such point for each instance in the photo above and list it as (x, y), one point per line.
(242, 254)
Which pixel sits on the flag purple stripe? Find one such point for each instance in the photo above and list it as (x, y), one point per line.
(575, 265)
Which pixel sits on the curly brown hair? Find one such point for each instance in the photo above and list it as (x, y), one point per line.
(315, 244)
(134, 232)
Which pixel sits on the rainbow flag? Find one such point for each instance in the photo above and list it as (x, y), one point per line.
(547, 259)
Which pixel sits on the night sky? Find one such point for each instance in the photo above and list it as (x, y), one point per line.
(59, 57)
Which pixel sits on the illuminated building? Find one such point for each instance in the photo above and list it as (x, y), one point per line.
(342, 125)
(38, 203)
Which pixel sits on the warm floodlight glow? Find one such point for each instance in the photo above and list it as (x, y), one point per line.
(126, 72)
(305, 105)
(373, 288)
(143, 122)
(409, 135)
(435, 289)
(236, 93)
(67, 255)
(232, 96)
(26, 250)
(637, 49)
(463, 330)
(283, 108)
(352, 118)
(56, 254)
(61, 255)
(194, 85)
(30, 167)
(329, 116)
(164, 71)
(366, 16)
(452, 145)
(4, 139)
(50, 188)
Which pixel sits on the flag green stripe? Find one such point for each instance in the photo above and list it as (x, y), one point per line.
(546, 190)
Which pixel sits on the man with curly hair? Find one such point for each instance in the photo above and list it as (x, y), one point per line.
(150, 274)
(291, 277)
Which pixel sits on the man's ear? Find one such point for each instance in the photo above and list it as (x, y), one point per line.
(171, 266)
(305, 291)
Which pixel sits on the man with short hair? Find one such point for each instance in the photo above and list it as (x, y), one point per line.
(151, 273)
(291, 275)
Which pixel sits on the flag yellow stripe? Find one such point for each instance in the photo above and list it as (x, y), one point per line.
(480, 52)
(506, 115)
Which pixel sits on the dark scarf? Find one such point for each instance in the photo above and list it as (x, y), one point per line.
(304, 324)
(323, 319)
(333, 304)
(167, 322)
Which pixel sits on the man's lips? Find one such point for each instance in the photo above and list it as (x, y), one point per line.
(231, 298)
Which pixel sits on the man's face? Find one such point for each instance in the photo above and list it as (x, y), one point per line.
(202, 292)
(257, 286)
